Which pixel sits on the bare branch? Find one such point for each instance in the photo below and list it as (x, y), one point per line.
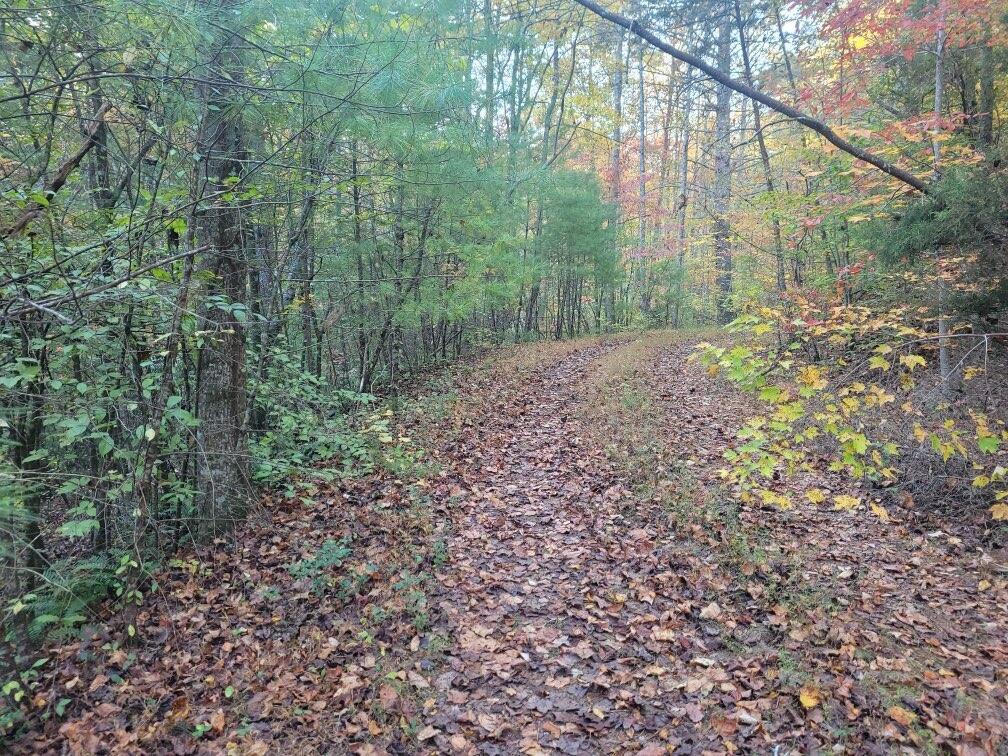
(771, 102)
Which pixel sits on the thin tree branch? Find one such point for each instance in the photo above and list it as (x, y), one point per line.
(57, 181)
(771, 102)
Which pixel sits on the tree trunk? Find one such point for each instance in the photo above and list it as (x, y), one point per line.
(987, 94)
(221, 437)
(944, 359)
(722, 179)
(764, 153)
(488, 93)
(617, 132)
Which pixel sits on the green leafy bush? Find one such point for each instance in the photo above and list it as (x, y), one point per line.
(302, 421)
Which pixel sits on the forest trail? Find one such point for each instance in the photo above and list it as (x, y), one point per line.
(587, 616)
(504, 377)
(571, 577)
(545, 598)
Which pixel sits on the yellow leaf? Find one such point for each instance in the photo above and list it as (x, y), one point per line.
(811, 376)
(809, 697)
(881, 396)
(843, 502)
(999, 511)
(910, 361)
(879, 363)
(880, 512)
(815, 496)
(901, 715)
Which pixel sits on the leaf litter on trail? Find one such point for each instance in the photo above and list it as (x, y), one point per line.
(672, 621)
(592, 590)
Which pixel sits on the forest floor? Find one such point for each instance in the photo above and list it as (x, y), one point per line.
(567, 576)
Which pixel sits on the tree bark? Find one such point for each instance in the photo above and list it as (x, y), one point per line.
(617, 132)
(764, 153)
(682, 199)
(722, 179)
(488, 93)
(641, 155)
(223, 476)
(987, 94)
(944, 359)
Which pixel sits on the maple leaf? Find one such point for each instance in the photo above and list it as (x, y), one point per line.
(988, 444)
(811, 377)
(844, 502)
(879, 363)
(815, 496)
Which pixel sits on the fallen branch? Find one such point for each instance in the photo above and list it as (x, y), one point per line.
(773, 103)
(56, 183)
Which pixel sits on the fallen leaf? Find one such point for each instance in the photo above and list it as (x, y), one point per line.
(694, 712)
(427, 733)
(809, 697)
(218, 720)
(901, 715)
(711, 611)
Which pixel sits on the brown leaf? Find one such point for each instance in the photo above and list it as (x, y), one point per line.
(487, 721)
(217, 721)
(427, 733)
(98, 681)
(664, 634)
(694, 712)
(179, 709)
(388, 697)
(419, 681)
(711, 611)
